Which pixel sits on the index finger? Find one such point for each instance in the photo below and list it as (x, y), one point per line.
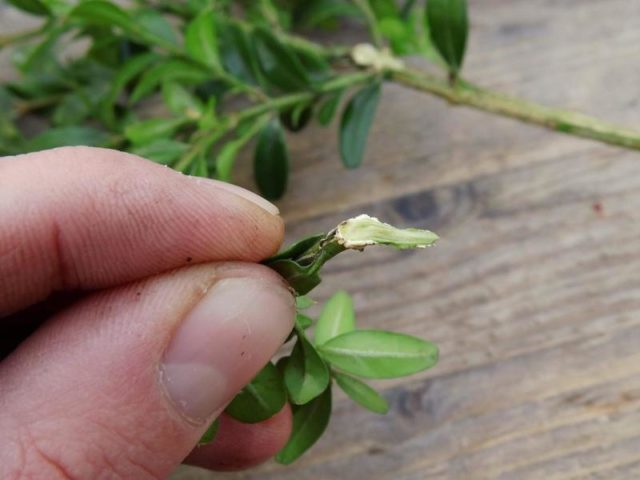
(85, 218)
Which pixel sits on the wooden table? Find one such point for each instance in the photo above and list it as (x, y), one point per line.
(533, 294)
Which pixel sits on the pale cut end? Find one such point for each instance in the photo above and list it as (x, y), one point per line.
(363, 230)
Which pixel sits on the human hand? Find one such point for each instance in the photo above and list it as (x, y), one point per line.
(170, 317)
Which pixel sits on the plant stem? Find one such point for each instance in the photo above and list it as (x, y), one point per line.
(280, 103)
(299, 43)
(201, 140)
(464, 93)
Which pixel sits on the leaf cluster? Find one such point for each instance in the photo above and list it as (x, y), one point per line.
(337, 352)
(191, 84)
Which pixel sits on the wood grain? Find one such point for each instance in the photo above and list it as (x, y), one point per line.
(533, 294)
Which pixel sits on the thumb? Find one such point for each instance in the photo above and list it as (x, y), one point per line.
(125, 382)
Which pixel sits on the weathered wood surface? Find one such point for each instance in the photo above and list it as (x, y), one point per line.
(533, 294)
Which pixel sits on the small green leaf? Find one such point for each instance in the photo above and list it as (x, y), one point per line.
(355, 124)
(39, 57)
(337, 317)
(150, 27)
(325, 12)
(71, 110)
(128, 72)
(35, 7)
(379, 354)
(297, 117)
(238, 57)
(201, 40)
(210, 434)
(317, 68)
(103, 13)
(297, 276)
(309, 423)
(303, 302)
(447, 23)
(361, 393)
(170, 70)
(156, 26)
(147, 130)
(296, 249)
(180, 101)
(163, 151)
(278, 63)
(306, 375)
(261, 399)
(271, 161)
(67, 136)
(328, 108)
(227, 155)
(400, 34)
(303, 321)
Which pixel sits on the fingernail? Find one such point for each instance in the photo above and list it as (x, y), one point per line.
(248, 195)
(221, 344)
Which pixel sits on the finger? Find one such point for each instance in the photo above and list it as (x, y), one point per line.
(240, 445)
(124, 383)
(85, 218)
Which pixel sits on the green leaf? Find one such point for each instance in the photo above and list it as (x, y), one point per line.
(361, 393)
(309, 423)
(163, 151)
(238, 57)
(303, 302)
(180, 101)
(35, 7)
(297, 117)
(156, 25)
(278, 63)
(303, 321)
(328, 108)
(297, 276)
(305, 375)
(210, 434)
(170, 70)
(71, 110)
(379, 354)
(261, 399)
(103, 13)
(322, 12)
(150, 27)
(201, 41)
(67, 136)
(271, 161)
(337, 317)
(400, 34)
(199, 167)
(128, 72)
(147, 130)
(317, 68)
(41, 56)
(355, 124)
(448, 25)
(296, 249)
(227, 155)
